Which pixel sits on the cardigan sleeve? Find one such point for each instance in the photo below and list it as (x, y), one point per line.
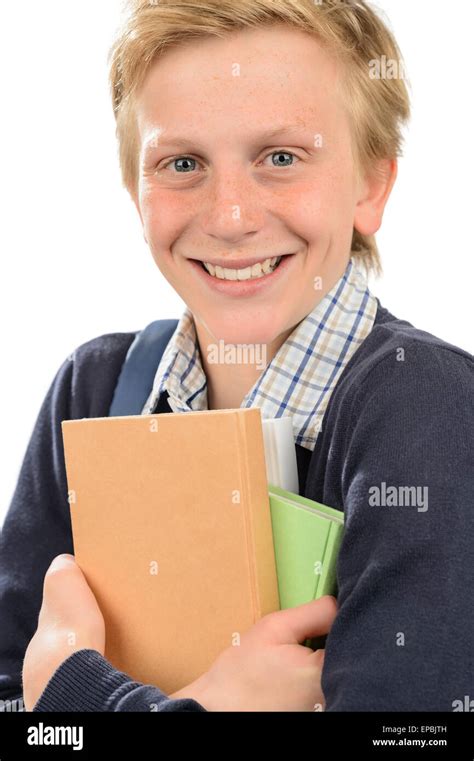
(86, 681)
(36, 528)
(403, 638)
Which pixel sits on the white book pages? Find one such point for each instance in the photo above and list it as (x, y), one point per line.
(280, 453)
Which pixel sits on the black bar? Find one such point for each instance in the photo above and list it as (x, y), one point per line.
(302, 735)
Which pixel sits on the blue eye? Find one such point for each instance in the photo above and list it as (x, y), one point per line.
(186, 166)
(283, 162)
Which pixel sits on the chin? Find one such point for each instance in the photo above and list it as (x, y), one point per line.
(237, 320)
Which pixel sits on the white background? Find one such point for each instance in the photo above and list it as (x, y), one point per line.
(74, 262)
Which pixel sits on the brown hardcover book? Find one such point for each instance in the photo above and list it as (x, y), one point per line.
(172, 528)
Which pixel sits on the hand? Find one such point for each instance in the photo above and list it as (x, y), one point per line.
(269, 670)
(69, 620)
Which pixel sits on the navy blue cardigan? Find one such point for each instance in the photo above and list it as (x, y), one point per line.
(403, 638)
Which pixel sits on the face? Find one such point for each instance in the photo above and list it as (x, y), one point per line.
(245, 156)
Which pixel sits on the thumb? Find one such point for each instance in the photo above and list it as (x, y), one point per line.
(305, 621)
(61, 574)
(66, 591)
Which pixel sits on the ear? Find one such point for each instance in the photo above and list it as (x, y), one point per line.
(374, 192)
(134, 196)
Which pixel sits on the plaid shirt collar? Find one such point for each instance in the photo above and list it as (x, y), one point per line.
(301, 377)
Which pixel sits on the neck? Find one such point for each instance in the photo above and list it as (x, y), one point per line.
(228, 383)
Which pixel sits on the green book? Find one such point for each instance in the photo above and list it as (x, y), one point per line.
(306, 538)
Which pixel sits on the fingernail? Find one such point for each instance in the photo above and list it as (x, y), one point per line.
(62, 560)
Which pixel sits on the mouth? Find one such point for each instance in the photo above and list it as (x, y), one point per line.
(242, 271)
(262, 276)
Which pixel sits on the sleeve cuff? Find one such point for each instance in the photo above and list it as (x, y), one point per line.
(86, 681)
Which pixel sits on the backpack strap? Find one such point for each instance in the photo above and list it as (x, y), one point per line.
(138, 371)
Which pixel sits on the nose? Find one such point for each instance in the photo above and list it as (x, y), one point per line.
(233, 207)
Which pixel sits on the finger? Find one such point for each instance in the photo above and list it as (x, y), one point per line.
(62, 561)
(66, 592)
(62, 568)
(317, 657)
(306, 621)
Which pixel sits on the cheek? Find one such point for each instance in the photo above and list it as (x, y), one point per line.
(339, 188)
(320, 209)
(165, 216)
(303, 210)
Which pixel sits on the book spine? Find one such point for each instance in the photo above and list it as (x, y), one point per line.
(327, 583)
(256, 514)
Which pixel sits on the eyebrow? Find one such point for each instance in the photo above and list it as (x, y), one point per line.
(178, 140)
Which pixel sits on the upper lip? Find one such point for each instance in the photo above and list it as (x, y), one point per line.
(238, 264)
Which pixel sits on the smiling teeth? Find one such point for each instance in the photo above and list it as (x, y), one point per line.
(249, 273)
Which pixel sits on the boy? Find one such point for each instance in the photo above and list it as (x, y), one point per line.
(260, 154)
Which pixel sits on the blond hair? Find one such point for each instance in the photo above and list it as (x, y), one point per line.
(351, 30)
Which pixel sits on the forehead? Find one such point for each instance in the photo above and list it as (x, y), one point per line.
(247, 77)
